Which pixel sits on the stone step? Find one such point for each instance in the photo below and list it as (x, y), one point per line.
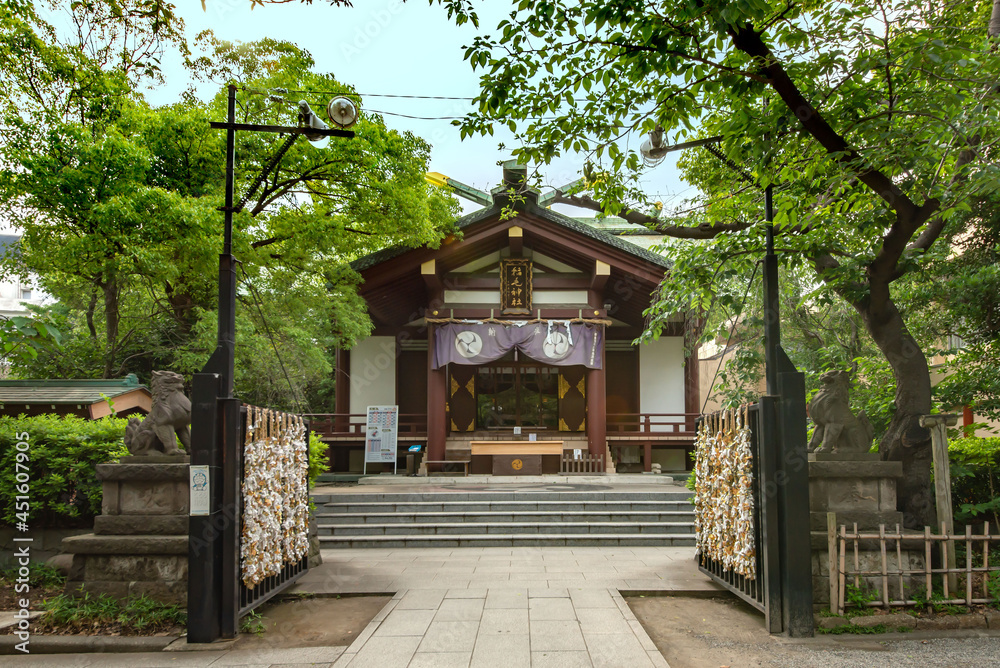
(537, 517)
(452, 528)
(502, 506)
(680, 494)
(508, 540)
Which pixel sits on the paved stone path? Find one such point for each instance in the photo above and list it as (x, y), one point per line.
(537, 627)
(275, 658)
(512, 607)
(517, 568)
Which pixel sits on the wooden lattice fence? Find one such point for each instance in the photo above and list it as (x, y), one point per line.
(896, 580)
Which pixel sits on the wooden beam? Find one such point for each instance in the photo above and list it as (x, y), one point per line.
(342, 388)
(435, 288)
(598, 279)
(597, 410)
(428, 271)
(640, 269)
(692, 388)
(437, 398)
(389, 272)
(516, 236)
(555, 313)
(538, 281)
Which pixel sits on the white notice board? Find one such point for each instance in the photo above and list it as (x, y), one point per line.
(381, 434)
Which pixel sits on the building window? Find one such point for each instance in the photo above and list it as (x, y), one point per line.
(25, 293)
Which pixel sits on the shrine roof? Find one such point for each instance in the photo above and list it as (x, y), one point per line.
(575, 225)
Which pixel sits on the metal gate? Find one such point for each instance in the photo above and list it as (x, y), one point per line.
(273, 508)
(742, 556)
(252, 540)
(769, 482)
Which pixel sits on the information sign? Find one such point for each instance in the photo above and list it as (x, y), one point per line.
(381, 433)
(200, 496)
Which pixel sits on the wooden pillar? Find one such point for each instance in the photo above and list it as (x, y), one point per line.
(437, 387)
(342, 389)
(647, 456)
(597, 413)
(692, 389)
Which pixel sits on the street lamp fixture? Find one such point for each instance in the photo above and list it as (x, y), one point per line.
(215, 413)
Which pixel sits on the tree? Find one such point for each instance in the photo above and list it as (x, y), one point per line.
(118, 203)
(877, 120)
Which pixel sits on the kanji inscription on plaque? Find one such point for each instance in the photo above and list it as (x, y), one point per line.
(515, 286)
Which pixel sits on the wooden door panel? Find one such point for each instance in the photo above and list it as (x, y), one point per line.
(572, 398)
(462, 397)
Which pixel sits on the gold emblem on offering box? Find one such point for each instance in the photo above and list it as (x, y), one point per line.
(515, 286)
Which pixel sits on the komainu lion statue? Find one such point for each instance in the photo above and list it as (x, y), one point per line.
(837, 430)
(169, 419)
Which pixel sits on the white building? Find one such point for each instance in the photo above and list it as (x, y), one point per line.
(16, 294)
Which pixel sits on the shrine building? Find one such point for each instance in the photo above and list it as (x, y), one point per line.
(518, 331)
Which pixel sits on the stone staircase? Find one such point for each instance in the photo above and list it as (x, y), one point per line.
(505, 518)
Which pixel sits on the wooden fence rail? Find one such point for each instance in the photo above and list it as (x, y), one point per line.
(900, 542)
(585, 464)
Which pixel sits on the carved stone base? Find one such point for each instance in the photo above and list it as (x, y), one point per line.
(861, 489)
(140, 542)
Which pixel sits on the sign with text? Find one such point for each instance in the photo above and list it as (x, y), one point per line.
(200, 498)
(381, 433)
(515, 286)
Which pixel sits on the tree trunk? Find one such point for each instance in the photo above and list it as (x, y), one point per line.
(181, 308)
(91, 307)
(111, 320)
(905, 440)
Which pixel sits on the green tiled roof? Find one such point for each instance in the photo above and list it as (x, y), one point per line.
(574, 224)
(65, 391)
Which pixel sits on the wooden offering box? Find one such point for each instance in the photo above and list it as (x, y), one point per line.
(516, 457)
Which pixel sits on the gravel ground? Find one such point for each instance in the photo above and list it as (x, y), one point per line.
(899, 653)
(725, 633)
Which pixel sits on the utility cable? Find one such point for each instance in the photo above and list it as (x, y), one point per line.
(352, 94)
(267, 329)
(740, 172)
(272, 163)
(732, 329)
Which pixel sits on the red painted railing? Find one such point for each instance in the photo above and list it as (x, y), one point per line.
(678, 424)
(351, 425)
(346, 425)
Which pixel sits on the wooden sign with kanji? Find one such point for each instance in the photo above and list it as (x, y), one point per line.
(515, 286)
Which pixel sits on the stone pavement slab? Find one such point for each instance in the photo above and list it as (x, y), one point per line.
(521, 629)
(356, 571)
(273, 658)
(503, 606)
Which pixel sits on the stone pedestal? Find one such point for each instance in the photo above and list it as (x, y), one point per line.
(140, 541)
(859, 488)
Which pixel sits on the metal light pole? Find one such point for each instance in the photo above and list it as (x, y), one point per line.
(783, 424)
(213, 535)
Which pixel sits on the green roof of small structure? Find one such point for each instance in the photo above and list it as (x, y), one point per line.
(71, 391)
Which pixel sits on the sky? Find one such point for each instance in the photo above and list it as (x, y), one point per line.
(387, 47)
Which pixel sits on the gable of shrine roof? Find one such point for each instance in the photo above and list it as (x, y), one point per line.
(608, 248)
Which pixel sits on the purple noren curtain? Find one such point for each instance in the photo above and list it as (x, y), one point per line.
(557, 342)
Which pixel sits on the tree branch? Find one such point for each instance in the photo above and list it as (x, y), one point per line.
(909, 217)
(703, 231)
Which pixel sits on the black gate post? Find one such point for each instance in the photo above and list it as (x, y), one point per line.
(787, 437)
(232, 472)
(796, 547)
(768, 460)
(204, 555)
